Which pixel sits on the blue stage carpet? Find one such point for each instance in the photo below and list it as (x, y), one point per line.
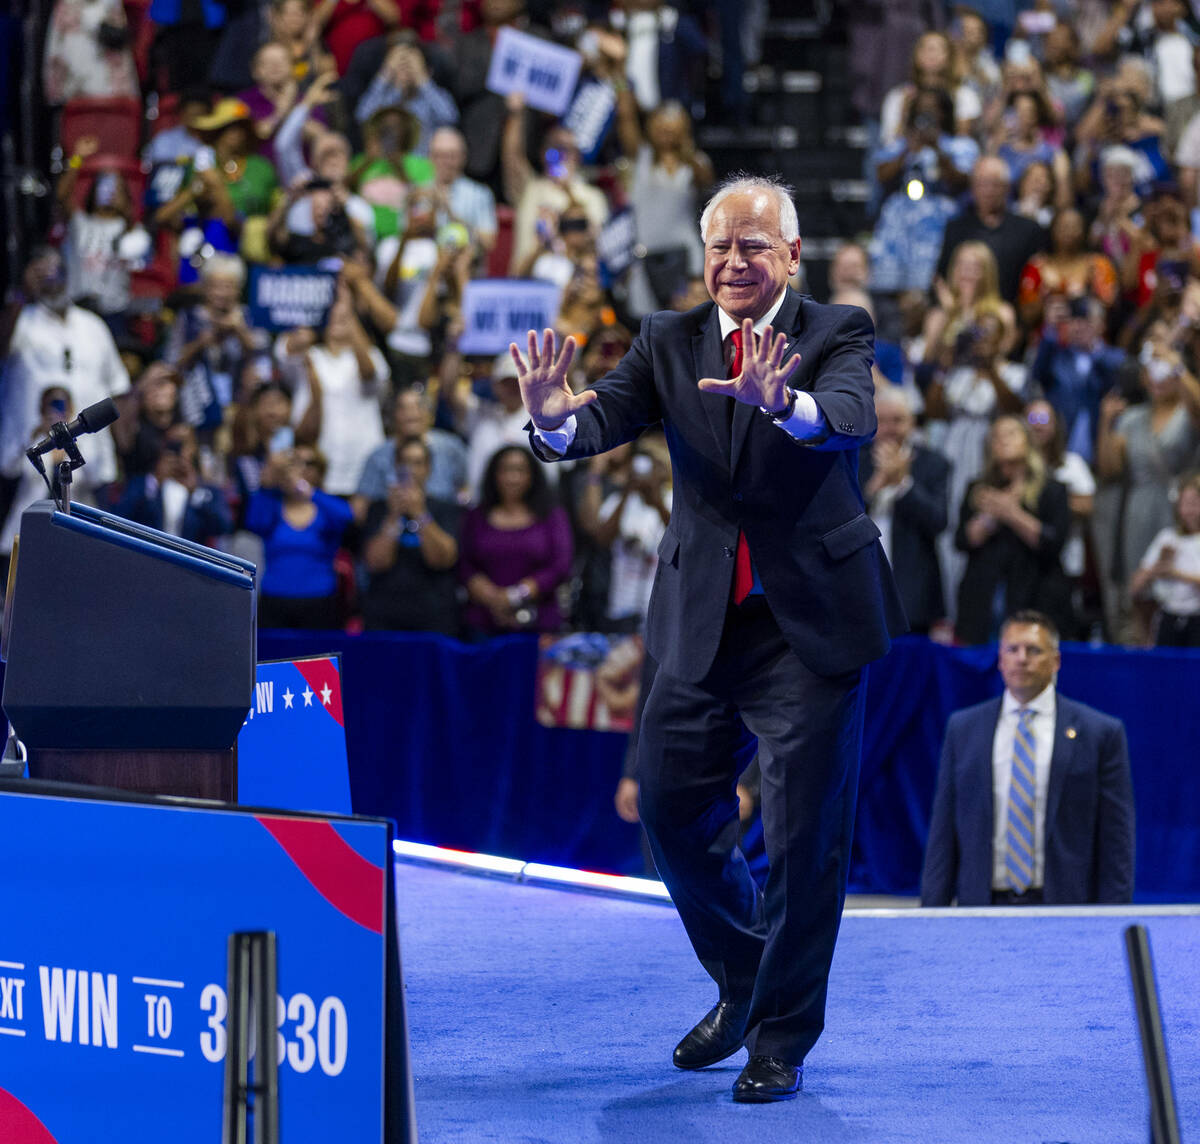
(541, 1016)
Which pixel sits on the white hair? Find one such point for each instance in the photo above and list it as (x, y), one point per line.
(226, 265)
(744, 184)
(898, 396)
(1119, 155)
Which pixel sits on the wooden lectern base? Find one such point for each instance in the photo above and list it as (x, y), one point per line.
(188, 774)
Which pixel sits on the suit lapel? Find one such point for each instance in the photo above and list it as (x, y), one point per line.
(1061, 757)
(709, 359)
(788, 320)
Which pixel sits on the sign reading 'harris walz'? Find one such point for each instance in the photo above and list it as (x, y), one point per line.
(287, 297)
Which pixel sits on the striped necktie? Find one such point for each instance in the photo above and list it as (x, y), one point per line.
(1018, 859)
(743, 571)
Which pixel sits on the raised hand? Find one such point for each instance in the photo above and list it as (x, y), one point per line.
(764, 373)
(543, 379)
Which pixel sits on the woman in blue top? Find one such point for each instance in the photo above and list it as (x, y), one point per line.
(302, 529)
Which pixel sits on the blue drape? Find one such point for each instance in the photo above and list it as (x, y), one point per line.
(442, 738)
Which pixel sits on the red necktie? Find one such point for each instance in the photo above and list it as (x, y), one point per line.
(743, 572)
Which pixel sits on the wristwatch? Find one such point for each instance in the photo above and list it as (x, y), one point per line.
(784, 414)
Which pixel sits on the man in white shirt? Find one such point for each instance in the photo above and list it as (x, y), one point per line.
(57, 343)
(1034, 799)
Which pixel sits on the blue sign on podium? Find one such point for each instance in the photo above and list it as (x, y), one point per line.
(113, 1007)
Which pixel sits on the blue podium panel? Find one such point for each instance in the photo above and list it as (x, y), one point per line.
(113, 1010)
(292, 747)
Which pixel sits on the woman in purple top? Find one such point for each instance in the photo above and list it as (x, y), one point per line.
(515, 549)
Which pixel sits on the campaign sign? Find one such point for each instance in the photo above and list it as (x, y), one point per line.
(499, 311)
(616, 244)
(544, 73)
(113, 963)
(292, 746)
(590, 117)
(285, 297)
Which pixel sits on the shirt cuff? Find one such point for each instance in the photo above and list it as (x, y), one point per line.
(807, 422)
(558, 440)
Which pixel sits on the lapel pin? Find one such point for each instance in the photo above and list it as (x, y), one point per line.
(1070, 732)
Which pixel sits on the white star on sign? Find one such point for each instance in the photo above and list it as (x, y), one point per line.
(307, 696)
(288, 697)
(326, 692)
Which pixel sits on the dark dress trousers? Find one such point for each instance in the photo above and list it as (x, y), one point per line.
(919, 517)
(1089, 837)
(785, 668)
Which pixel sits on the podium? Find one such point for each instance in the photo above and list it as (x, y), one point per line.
(129, 654)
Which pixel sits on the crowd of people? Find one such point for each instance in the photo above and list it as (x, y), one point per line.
(1032, 274)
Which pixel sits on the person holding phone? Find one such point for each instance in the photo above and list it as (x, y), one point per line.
(560, 184)
(302, 529)
(410, 552)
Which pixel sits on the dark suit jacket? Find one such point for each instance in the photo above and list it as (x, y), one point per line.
(1031, 577)
(207, 515)
(816, 551)
(918, 519)
(1089, 811)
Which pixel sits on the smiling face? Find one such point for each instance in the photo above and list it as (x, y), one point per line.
(746, 261)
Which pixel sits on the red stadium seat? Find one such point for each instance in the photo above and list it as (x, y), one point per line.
(115, 121)
(501, 254)
(131, 169)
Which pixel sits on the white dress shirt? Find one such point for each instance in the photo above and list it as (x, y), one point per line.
(807, 420)
(1042, 727)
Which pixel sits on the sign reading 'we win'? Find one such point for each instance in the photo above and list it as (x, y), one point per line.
(499, 311)
(544, 73)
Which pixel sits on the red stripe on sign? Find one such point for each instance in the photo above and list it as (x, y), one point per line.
(342, 876)
(18, 1125)
(322, 676)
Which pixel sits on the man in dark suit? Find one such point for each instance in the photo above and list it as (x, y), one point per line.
(1011, 237)
(1034, 798)
(772, 594)
(905, 486)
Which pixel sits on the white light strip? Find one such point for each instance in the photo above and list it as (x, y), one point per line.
(539, 872)
(13, 1032)
(158, 981)
(463, 859)
(615, 883)
(157, 1051)
(11, 965)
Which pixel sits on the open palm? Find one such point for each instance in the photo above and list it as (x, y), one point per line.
(764, 373)
(548, 397)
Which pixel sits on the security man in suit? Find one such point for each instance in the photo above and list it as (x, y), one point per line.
(1034, 799)
(772, 594)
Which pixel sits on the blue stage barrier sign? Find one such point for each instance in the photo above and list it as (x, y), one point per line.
(113, 1008)
(292, 746)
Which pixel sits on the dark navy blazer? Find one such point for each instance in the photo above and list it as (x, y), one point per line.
(1089, 839)
(816, 552)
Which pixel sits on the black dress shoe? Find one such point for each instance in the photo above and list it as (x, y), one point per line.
(766, 1079)
(718, 1035)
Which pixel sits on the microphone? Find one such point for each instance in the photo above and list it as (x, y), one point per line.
(63, 433)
